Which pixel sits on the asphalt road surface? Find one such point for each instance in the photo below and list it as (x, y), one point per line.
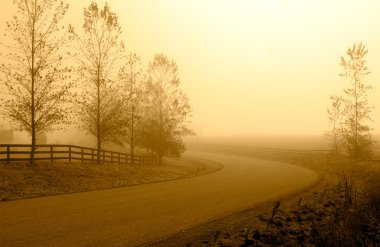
(136, 215)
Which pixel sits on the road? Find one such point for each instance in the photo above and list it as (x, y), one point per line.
(135, 215)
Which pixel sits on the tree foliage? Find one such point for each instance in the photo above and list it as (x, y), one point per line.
(133, 79)
(167, 109)
(335, 114)
(357, 110)
(99, 51)
(129, 105)
(36, 84)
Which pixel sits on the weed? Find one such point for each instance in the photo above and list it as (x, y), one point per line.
(274, 211)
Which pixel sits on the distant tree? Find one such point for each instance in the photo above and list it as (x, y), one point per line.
(357, 110)
(36, 84)
(335, 114)
(167, 109)
(133, 79)
(98, 55)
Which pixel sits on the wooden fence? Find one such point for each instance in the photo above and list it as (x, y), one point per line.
(21, 152)
(277, 150)
(256, 150)
(272, 153)
(288, 155)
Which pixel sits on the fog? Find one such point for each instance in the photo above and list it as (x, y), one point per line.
(249, 67)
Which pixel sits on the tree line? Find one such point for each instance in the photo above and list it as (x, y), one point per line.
(55, 75)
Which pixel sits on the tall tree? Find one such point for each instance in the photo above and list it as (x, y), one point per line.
(133, 78)
(357, 109)
(335, 114)
(36, 83)
(167, 109)
(99, 51)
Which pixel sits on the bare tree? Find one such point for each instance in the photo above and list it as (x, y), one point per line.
(36, 84)
(167, 109)
(357, 110)
(98, 56)
(335, 114)
(134, 82)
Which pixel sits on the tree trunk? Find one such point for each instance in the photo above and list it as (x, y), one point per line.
(33, 149)
(160, 158)
(99, 148)
(132, 145)
(160, 142)
(356, 121)
(32, 107)
(132, 155)
(98, 115)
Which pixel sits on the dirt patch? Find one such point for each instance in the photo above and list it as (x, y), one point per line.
(20, 181)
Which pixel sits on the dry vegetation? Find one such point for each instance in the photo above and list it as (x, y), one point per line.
(18, 181)
(337, 213)
(341, 210)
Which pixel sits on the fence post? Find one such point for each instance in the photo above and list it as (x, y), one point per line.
(8, 154)
(119, 157)
(126, 159)
(104, 156)
(69, 154)
(51, 154)
(92, 156)
(82, 155)
(111, 157)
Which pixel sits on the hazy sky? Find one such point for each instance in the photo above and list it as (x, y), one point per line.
(254, 66)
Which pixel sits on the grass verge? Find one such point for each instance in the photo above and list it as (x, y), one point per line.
(20, 181)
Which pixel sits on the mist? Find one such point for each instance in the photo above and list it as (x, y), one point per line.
(263, 67)
(189, 123)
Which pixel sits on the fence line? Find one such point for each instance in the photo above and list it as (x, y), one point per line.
(278, 150)
(21, 152)
(271, 150)
(251, 150)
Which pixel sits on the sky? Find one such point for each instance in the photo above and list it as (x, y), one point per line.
(251, 67)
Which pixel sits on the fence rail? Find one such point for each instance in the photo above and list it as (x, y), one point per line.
(265, 150)
(279, 150)
(21, 152)
(272, 152)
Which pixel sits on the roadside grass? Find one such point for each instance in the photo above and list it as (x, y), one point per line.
(329, 217)
(20, 180)
(344, 210)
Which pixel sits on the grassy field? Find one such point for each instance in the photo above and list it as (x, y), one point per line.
(19, 181)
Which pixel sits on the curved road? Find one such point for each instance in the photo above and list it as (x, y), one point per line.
(138, 214)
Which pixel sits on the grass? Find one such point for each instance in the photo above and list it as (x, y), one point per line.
(343, 210)
(20, 181)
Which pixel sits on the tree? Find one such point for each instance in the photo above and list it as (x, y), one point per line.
(357, 110)
(98, 55)
(167, 109)
(133, 77)
(335, 134)
(36, 83)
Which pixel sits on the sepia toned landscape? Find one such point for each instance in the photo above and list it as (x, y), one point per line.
(189, 123)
